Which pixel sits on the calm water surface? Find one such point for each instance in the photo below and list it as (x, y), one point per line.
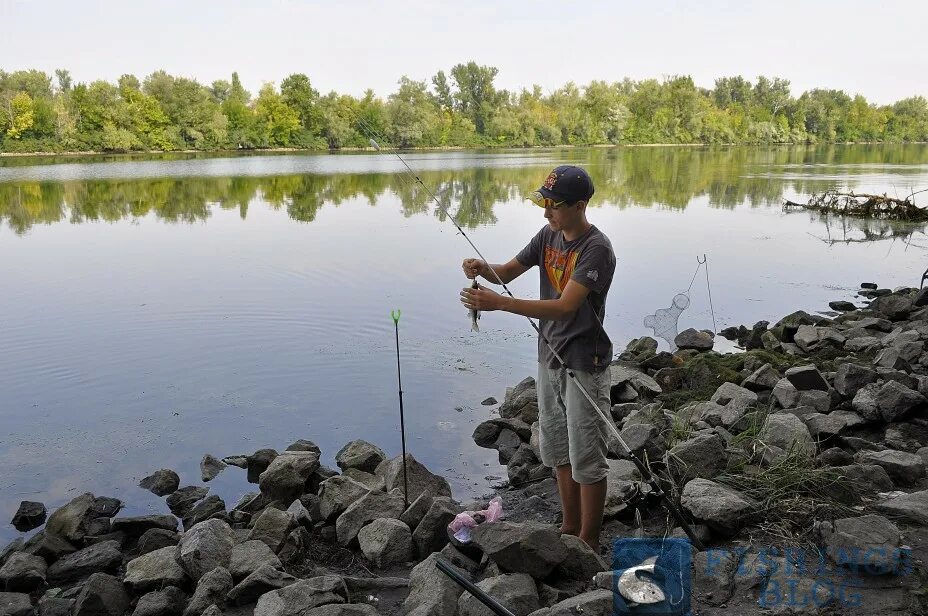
(152, 311)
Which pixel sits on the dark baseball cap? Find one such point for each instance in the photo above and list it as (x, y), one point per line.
(566, 183)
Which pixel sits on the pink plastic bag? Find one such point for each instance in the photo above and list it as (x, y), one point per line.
(464, 522)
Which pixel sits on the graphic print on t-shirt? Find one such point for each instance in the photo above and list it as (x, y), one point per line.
(560, 266)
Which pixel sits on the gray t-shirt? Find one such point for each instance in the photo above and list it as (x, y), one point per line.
(581, 340)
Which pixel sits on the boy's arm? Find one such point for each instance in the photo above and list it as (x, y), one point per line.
(507, 272)
(560, 309)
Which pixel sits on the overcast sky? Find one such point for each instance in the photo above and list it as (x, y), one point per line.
(877, 49)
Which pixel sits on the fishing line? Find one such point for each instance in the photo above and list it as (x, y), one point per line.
(643, 468)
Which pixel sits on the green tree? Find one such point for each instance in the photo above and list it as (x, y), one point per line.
(18, 114)
(276, 120)
(475, 96)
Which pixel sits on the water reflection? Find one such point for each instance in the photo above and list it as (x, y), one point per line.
(171, 190)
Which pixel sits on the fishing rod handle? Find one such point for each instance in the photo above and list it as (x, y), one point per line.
(473, 589)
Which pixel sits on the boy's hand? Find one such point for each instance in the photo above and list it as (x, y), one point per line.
(473, 267)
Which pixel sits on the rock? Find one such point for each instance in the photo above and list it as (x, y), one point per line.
(29, 515)
(517, 591)
(361, 455)
(530, 548)
(204, 510)
(864, 402)
(368, 508)
(721, 508)
(272, 527)
(713, 576)
(850, 378)
(735, 400)
(23, 572)
(49, 547)
(419, 478)
(161, 483)
(507, 444)
(248, 556)
(285, 478)
(101, 595)
(155, 539)
(863, 344)
(891, 358)
(155, 570)
(489, 401)
(896, 401)
(786, 395)
(204, 547)
(15, 604)
(808, 337)
(136, 526)
(369, 480)
(167, 602)
(911, 507)
(304, 445)
(807, 377)
(592, 603)
(819, 400)
(49, 605)
(431, 534)
(181, 501)
(386, 542)
(642, 438)
(857, 480)
(764, 378)
(835, 456)
(431, 592)
(71, 520)
(102, 557)
(264, 580)
(300, 598)
(211, 590)
(295, 546)
(904, 468)
(582, 563)
(337, 494)
(787, 432)
(701, 456)
(894, 307)
(869, 543)
(210, 467)
(693, 339)
(825, 426)
(640, 384)
(258, 462)
(17, 545)
(620, 482)
(906, 436)
(842, 306)
(416, 510)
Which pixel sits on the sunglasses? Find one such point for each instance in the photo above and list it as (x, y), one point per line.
(554, 205)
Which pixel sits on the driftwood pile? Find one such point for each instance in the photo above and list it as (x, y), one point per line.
(864, 206)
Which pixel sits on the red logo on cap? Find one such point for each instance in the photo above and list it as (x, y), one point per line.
(549, 183)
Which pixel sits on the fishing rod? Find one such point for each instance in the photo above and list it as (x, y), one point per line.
(395, 315)
(643, 468)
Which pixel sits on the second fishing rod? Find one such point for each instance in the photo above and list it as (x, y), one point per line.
(646, 474)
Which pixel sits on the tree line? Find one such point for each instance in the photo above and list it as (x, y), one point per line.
(463, 108)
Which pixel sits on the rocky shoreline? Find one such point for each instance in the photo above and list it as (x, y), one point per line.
(810, 442)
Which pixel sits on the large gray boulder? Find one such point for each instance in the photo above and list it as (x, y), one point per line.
(285, 478)
(785, 393)
(895, 401)
(786, 432)
(521, 402)
(806, 377)
(15, 604)
(517, 591)
(23, 572)
(207, 508)
(869, 543)
(420, 479)
(855, 480)
(136, 526)
(431, 533)
(723, 509)
(265, 579)
(101, 557)
(764, 378)
(47, 546)
(851, 377)
(530, 548)
(386, 542)
(582, 563)
(182, 500)
(29, 515)
(431, 592)
(272, 527)
(735, 399)
(204, 547)
(249, 556)
(365, 510)
(693, 339)
(337, 494)
(169, 601)
(212, 589)
(865, 402)
(895, 307)
(155, 539)
(300, 598)
(904, 468)
(161, 483)
(70, 521)
(155, 570)
(101, 595)
(620, 483)
(361, 455)
(210, 467)
(910, 507)
(701, 456)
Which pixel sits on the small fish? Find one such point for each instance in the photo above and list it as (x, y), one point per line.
(640, 590)
(474, 314)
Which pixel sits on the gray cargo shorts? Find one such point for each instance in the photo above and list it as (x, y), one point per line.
(571, 431)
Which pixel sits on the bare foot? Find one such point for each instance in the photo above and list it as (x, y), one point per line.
(594, 544)
(567, 530)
